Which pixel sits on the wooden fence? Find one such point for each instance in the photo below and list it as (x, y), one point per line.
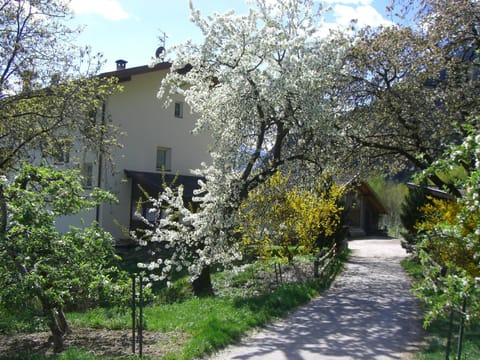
(323, 259)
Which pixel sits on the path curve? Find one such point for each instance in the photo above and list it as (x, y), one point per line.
(367, 314)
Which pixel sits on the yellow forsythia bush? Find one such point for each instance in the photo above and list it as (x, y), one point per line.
(287, 219)
(443, 247)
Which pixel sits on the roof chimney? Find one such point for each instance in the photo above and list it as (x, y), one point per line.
(121, 64)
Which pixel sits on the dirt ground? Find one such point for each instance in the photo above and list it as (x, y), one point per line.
(111, 343)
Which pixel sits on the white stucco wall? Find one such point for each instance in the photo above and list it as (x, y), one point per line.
(147, 125)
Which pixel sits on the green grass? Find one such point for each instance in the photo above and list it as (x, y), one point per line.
(437, 332)
(21, 323)
(436, 341)
(204, 325)
(413, 268)
(214, 322)
(101, 318)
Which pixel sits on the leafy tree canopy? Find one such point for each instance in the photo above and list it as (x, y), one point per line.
(49, 95)
(407, 86)
(451, 236)
(40, 265)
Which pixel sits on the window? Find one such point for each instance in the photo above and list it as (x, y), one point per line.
(87, 175)
(164, 159)
(61, 157)
(178, 110)
(61, 152)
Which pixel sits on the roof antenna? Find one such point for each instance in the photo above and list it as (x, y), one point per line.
(161, 49)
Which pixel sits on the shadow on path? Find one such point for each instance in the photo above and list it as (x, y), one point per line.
(369, 313)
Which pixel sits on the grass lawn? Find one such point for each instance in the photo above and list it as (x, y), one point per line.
(245, 299)
(437, 332)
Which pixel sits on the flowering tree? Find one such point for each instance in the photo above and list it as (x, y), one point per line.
(452, 237)
(262, 85)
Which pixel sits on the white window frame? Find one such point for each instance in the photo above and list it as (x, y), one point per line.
(163, 159)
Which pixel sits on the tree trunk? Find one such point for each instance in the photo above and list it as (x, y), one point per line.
(202, 286)
(3, 213)
(57, 333)
(62, 322)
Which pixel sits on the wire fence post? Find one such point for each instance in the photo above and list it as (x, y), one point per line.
(134, 316)
(461, 330)
(140, 320)
(449, 335)
(137, 317)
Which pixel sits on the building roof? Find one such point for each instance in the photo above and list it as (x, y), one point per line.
(372, 196)
(433, 191)
(153, 182)
(126, 73)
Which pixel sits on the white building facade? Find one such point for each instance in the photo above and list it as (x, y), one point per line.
(157, 145)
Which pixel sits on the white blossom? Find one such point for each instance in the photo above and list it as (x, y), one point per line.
(259, 85)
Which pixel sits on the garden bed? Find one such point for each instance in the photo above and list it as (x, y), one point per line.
(100, 342)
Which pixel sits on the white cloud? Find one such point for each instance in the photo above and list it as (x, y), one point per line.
(364, 14)
(350, 2)
(344, 11)
(341, 16)
(109, 9)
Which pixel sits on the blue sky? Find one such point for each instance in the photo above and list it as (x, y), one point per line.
(130, 29)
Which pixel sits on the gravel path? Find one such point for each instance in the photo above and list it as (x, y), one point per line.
(367, 314)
